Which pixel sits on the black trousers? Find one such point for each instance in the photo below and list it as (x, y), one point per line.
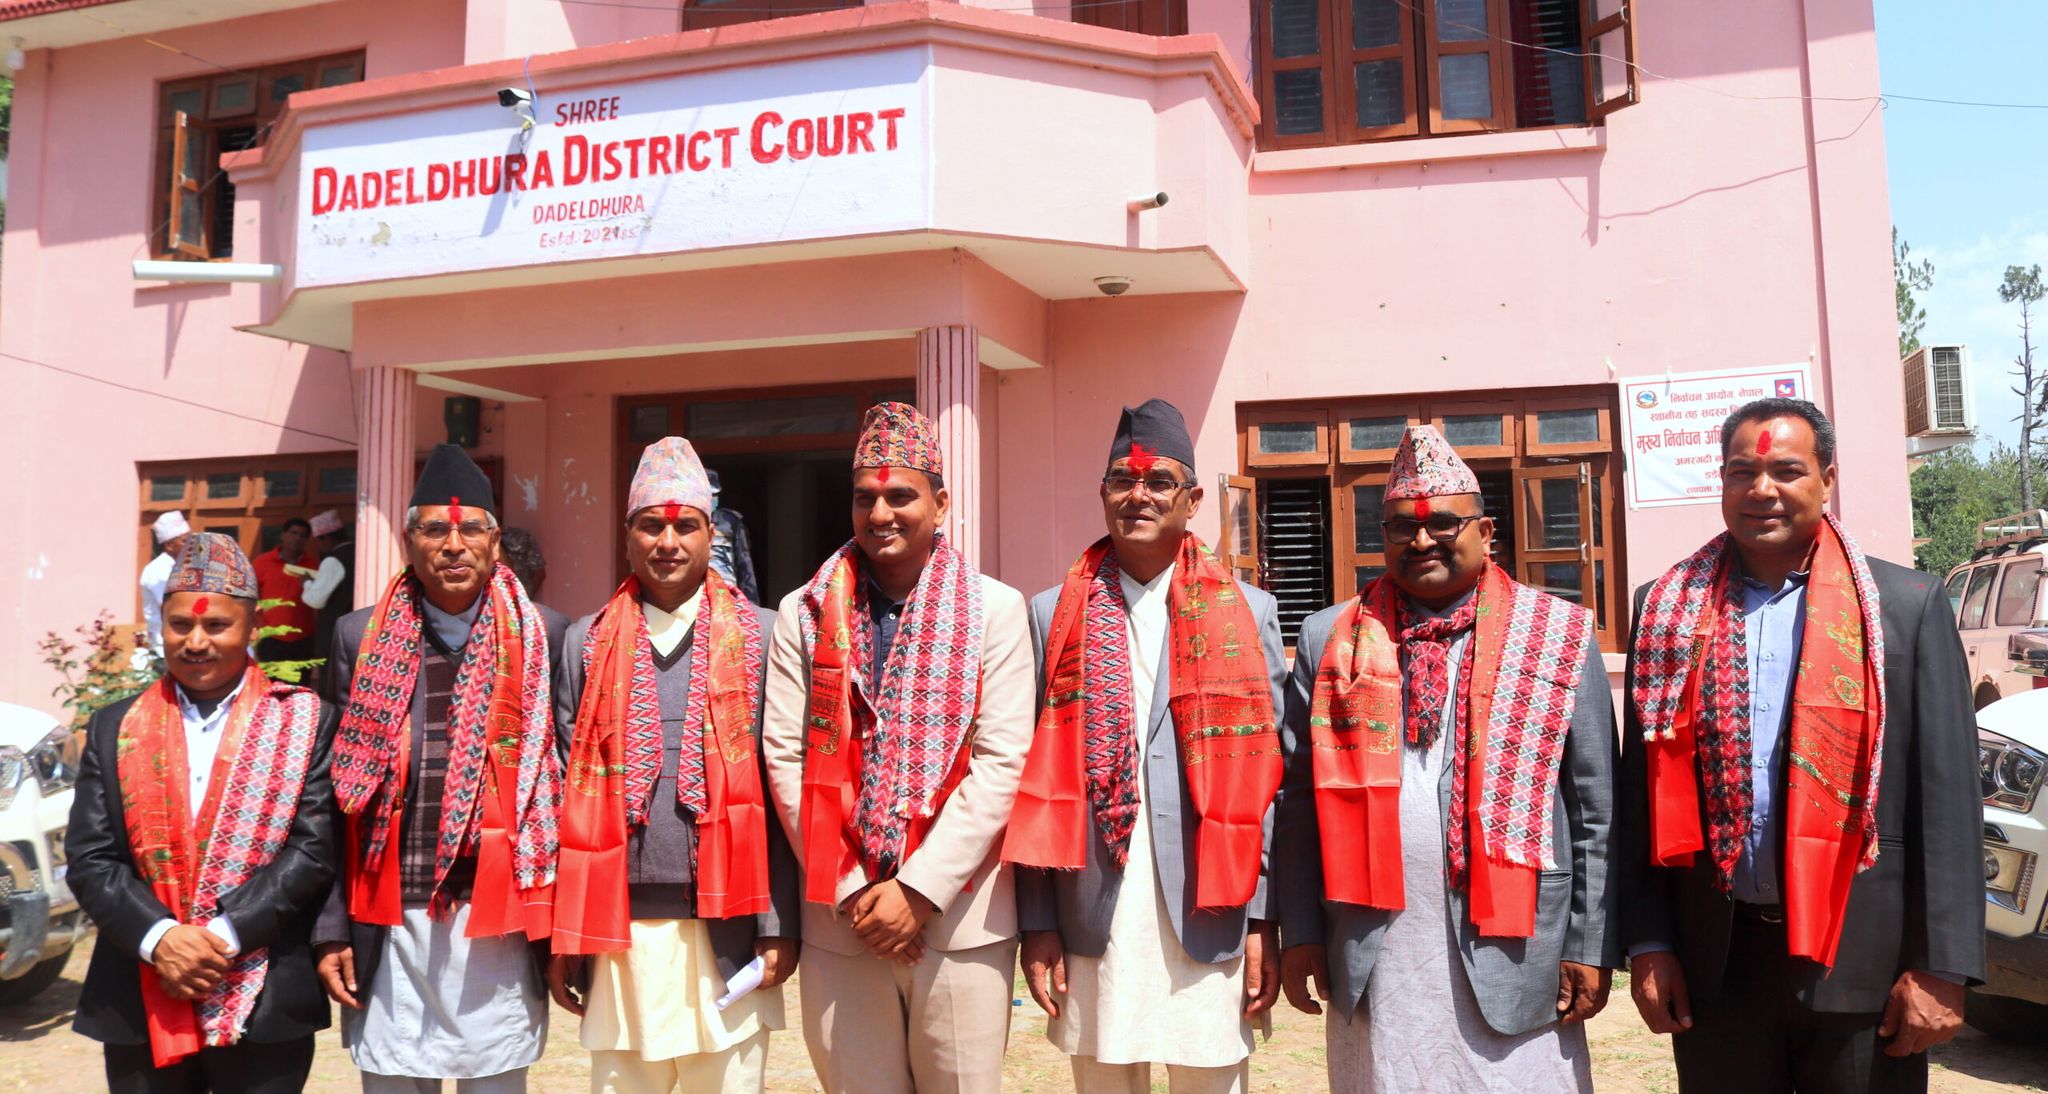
(247, 1068)
(1758, 1038)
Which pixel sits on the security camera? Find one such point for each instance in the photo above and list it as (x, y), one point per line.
(1113, 285)
(510, 97)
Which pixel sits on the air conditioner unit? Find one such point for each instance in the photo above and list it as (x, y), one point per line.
(1939, 402)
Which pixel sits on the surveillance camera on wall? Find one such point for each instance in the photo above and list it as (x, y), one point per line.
(1114, 285)
(510, 97)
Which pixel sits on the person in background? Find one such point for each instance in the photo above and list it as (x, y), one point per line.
(450, 787)
(899, 714)
(675, 875)
(1800, 791)
(732, 555)
(1444, 838)
(331, 591)
(202, 844)
(1142, 825)
(520, 550)
(281, 574)
(170, 530)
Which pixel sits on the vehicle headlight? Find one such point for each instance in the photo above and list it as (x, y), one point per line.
(14, 769)
(55, 760)
(2009, 773)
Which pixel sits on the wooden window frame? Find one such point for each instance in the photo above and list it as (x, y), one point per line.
(259, 483)
(1344, 579)
(1594, 26)
(1341, 418)
(150, 505)
(1270, 65)
(1318, 458)
(315, 496)
(1531, 432)
(697, 16)
(203, 500)
(1499, 77)
(1510, 425)
(1342, 70)
(1169, 16)
(1241, 491)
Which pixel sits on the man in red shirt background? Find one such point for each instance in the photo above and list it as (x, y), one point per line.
(281, 574)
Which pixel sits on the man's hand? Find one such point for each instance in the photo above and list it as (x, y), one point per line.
(778, 958)
(1261, 968)
(1300, 963)
(336, 963)
(1657, 981)
(1581, 990)
(889, 915)
(1045, 969)
(569, 981)
(1924, 1010)
(190, 960)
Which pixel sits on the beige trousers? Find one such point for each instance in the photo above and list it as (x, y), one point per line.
(741, 1069)
(1091, 1076)
(882, 1027)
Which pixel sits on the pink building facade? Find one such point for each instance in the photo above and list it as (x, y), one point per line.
(1375, 213)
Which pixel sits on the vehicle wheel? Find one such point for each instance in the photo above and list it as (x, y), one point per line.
(30, 984)
(2005, 1017)
(1987, 694)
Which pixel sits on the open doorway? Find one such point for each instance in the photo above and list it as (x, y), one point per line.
(782, 456)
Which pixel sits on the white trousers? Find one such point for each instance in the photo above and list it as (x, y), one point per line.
(741, 1069)
(1091, 1076)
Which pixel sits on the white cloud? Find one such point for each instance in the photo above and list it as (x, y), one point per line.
(1964, 307)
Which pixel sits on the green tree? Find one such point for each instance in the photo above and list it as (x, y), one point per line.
(2023, 286)
(1910, 277)
(1953, 492)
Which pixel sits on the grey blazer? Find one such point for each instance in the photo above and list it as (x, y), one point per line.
(1080, 903)
(1514, 978)
(732, 940)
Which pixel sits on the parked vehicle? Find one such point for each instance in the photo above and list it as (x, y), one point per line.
(40, 920)
(2012, 761)
(1998, 593)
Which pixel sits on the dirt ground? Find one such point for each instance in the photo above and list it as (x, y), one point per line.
(38, 1052)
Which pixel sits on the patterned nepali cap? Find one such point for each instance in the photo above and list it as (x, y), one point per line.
(1427, 467)
(326, 524)
(897, 435)
(212, 563)
(670, 472)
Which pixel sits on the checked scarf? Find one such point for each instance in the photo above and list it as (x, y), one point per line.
(1222, 703)
(1528, 648)
(503, 797)
(615, 759)
(911, 738)
(252, 797)
(1427, 642)
(1691, 692)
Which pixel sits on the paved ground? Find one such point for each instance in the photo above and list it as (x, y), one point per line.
(38, 1052)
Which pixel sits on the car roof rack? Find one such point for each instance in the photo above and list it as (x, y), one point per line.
(2018, 528)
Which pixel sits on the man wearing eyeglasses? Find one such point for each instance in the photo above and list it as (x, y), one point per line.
(1142, 823)
(1442, 838)
(450, 789)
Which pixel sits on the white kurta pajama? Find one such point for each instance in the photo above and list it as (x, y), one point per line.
(1419, 1029)
(1145, 1001)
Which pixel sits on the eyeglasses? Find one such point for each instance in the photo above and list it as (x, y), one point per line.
(1158, 486)
(435, 531)
(1442, 529)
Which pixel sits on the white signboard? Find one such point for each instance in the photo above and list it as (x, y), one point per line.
(820, 148)
(1674, 428)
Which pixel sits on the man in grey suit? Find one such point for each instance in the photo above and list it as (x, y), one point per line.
(1144, 816)
(1442, 839)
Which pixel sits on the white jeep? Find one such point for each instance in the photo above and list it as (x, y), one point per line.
(2012, 756)
(39, 918)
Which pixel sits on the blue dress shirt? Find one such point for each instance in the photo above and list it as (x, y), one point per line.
(1774, 621)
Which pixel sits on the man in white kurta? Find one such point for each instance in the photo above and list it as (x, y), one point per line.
(170, 530)
(1130, 973)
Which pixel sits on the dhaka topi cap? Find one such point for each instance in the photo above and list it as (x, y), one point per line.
(670, 474)
(326, 524)
(170, 526)
(1152, 429)
(1426, 466)
(212, 563)
(897, 435)
(452, 478)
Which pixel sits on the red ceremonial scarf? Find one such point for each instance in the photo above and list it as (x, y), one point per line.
(252, 796)
(1222, 703)
(1528, 648)
(503, 796)
(615, 759)
(877, 769)
(1691, 690)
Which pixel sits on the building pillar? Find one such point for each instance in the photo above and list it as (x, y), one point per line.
(949, 393)
(384, 476)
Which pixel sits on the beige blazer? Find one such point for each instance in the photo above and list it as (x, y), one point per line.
(958, 866)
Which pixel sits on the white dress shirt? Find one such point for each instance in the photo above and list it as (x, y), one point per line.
(155, 576)
(202, 744)
(667, 629)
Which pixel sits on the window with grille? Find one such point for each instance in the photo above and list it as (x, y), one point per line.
(1345, 71)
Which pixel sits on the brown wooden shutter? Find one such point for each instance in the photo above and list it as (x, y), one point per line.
(1237, 544)
(188, 211)
(1612, 80)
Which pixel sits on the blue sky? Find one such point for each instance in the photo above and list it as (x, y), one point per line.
(1969, 186)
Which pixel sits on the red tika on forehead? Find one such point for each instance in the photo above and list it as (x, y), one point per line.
(1142, 458)
(454, 510)
(882, 475)
(1422, 508)
(199, 606)
(1763, 440)
(671, 511)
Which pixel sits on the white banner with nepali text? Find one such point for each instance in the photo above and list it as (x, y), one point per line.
(1674, 428)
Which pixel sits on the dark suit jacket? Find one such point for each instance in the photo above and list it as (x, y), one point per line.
(334, 924)
(1080, 903)
(732, 940)
(1922, 905)
(274, 908)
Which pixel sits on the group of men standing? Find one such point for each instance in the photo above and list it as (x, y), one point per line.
(905, 774)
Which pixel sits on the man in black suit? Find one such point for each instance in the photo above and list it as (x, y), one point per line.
(201, 843)
(1791, 932)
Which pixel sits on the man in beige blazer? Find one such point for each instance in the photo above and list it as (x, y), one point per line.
(898, 714)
